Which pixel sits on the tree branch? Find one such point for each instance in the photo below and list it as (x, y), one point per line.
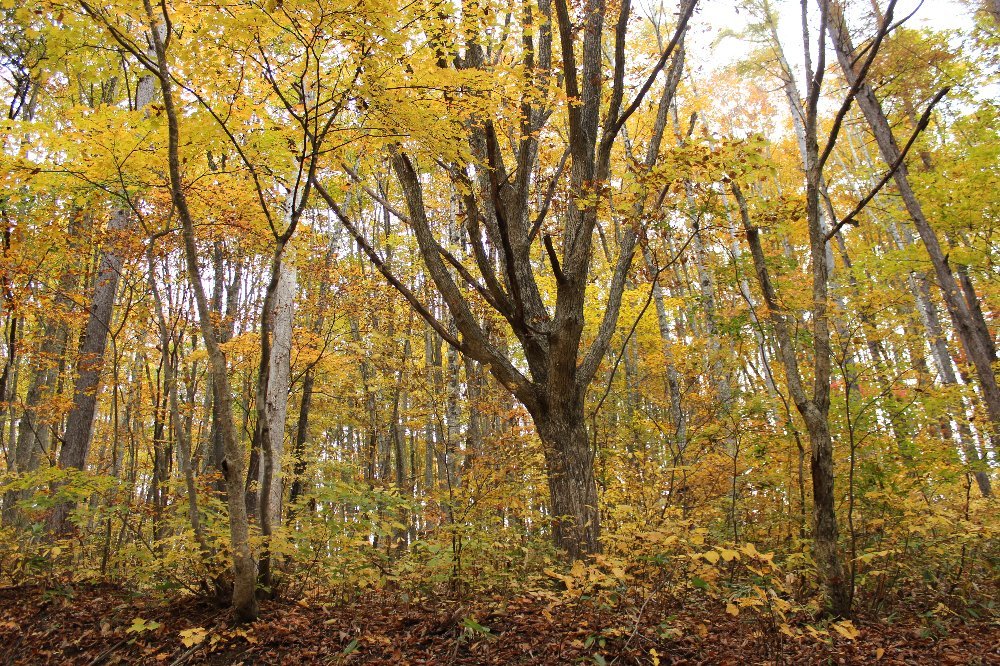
(921, 126)
(858, 82)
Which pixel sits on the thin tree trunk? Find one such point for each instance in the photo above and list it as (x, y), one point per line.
(170, 381)
(244, 564)
(815, 409)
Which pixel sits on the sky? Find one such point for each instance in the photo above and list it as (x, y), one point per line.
(706, 52)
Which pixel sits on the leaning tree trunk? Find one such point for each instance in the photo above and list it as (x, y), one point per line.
(80, 422)
(969, 325)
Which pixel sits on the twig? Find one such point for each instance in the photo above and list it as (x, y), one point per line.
(104, 655)
(184, 655)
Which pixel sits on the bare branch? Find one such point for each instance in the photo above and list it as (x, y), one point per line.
(921, 126)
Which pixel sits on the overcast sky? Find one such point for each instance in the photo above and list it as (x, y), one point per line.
(715, 16)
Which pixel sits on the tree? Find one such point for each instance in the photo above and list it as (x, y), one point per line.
(501, 222)
(814, 405)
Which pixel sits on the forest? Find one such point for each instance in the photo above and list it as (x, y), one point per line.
(477, 332)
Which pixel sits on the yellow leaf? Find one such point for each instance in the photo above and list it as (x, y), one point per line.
(656, 657)
(879, 653)
(729, 555)
(193, 636)
(140, 625)
(732, 609)
(846, 629)
(711, 556)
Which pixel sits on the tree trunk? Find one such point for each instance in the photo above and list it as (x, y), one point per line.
(80, 422)
(274, 400)
(170, 383)
(244, 564)
(301, 437)
(32, 434)
(569, 466)
(825, 533)
(814, 409)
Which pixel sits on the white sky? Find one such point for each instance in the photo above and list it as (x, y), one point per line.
(715, 16)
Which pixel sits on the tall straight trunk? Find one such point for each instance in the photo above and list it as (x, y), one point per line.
(227, 321)
(477, 424)
(432, 367)
(452, 415)
(962, 304)
(678, 417)
(80, 422)
(272, 396)
(157, 490)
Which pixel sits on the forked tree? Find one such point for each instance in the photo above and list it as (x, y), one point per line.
(508, 227)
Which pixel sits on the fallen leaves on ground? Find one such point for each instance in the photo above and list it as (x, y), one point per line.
(105, 624)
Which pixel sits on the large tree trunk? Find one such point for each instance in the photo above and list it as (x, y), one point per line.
(273, 397)
(825, 532)
(569, 465)
(499, 219)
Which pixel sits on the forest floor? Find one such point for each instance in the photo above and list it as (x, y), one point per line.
(105, 624)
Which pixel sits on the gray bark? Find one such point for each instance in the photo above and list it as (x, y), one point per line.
(80, 421)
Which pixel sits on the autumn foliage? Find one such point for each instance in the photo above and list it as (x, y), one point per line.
(497, 333)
